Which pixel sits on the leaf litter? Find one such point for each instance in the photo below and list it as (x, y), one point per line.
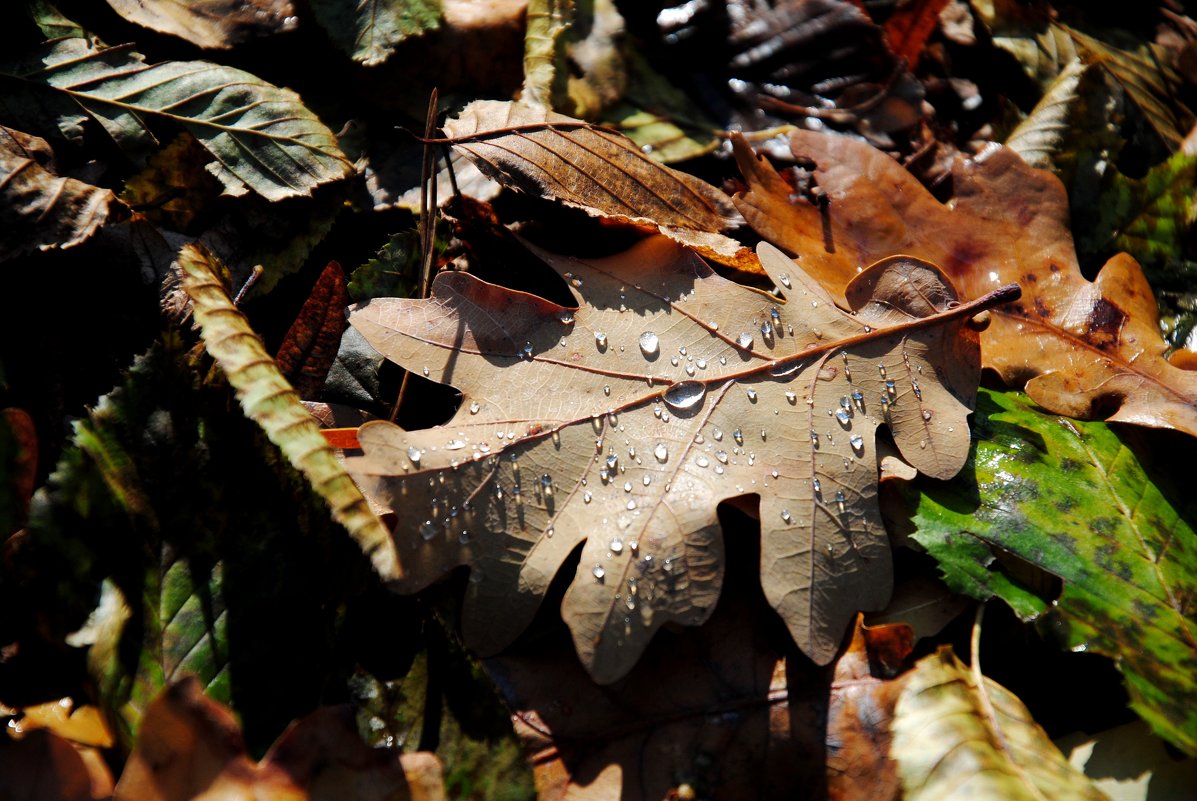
(623, 422)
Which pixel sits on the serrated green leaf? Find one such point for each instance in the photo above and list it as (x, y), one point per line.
(956, 740)
(271, 402)
(263, 137)
(1071, 499)
(370, 30)
(1038, 137)
(393, 273)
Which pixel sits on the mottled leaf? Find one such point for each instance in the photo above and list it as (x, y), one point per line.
(624, 422)
(263, 138)
(218, 24)
(1081, 348)
(40, 210)
(956, 739)
(270, 401)
(370, 30)
(192, 746)
(1072, 500)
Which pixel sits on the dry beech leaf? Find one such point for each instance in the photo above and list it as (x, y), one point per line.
(624, 422)
(190, 746)
(209, 23)
(549, 155)
(41, 210)
(1082, 348)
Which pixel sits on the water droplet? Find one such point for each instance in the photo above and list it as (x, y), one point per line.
(650, 345)
(714, 325)
(785, 280)
(661, 452)
(682, 350)
(881, 369)
(717, 433)
(891, 387)
(684, 395)
(751, 459)
(647, 479)
(612, 461)
(738, 436)
(616, 545)
(463, 537)
(546, 482)
(718, 470)
(818, 487)
(425, 371)
(699, 438)
(774, 473)
(702, 461)
(587, 497)
(751, 393)
(927, 415)
(814, 438)
(918, 393)
(767, 331)
(600, 339)
(526, 351)
(627, 486)
(845, 404)
(673, 360)
(792, 397)
(566, 318)
(785, 515)
(721, 456)
(923, 443)
(744, 340)
(454, 445)
(702, 364)
(857, 442)
(844, 418)
(839, 501)
(474, 407)
(689, 369)
(631, 505)
(598, 572)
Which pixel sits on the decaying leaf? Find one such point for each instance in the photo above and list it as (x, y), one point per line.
(42, 765)
(262, 136)
(310, 346)
(599, 171)
(956, 740)
(1082, 349)
(370, 30)
(38, 209)
(1073, 500)
(191, 746)
(622, 424)
(271, 402)
(210, 23)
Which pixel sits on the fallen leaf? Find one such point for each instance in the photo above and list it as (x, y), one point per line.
(310, 346)
(270, 401)
(263, 138)
(624, 422)
(1038, 137)
(370, 30)
(83, 725)
(954, 739)
(192, 747)
(174, 190)
(1128, 763)
(40, 210)
(909, 26)
(1073, 500)
(50, 21)
(216, 24)
(1082, 349)
(42, 766)
(601, 172)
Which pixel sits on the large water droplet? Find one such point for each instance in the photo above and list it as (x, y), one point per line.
(744, 340)
(927, 415)
(661, 452)
(785, 515)
(414, 454)
(702, 461)
(839, 501)
(785, 280)
(857, 442)
(684, 395)
(751, 393)
(587, 496)
(918, 393)
(598, 572)
(427, 530)
(818, 486)
(616, 545)
(844, 418)
(600, 339)
(474, 407)
(721, 456)
(650, 345)
(738, 436)
(792, 397)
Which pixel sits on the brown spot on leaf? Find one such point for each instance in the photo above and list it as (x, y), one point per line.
(1104, 324)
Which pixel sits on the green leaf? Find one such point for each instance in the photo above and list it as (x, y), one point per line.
(1071, 499)
(50, 21)
(958, 737)
(271, 402)
(1038, 137)
(262, 136)
(393, 273)
(1147, 217)
(370, 30)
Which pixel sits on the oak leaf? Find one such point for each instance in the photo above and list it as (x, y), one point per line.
(622, 424)
(1081, 348)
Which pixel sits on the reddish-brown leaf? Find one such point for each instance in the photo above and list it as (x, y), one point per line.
(1080, 348)
(909, 26)
(310, 347)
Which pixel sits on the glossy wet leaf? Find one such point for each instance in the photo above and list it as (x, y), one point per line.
(955, 740)
(40, 210)
(1074, 501)
(622, 423)
(263, 137)
(1080, 348)
(370, 30)
(216, 24)
(270, 401)
(193, 746)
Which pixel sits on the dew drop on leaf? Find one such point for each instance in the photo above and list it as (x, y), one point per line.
(684, 395)
(661, 452)
(598, 572)
(857, 442)
(414, 454)
(650, 345)
(744, 340)
(616, 545)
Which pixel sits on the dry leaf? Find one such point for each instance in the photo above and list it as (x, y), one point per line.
(310, 346)
(42, 766)
(1082, 349)
(600, 171)
(191, 747)
(623, 423)
(210, 23)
